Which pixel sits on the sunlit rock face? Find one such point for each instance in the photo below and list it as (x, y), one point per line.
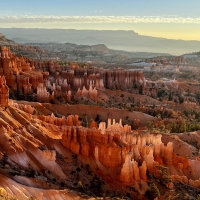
(4, 92)
(115, 152)
(122, 80)
(19, 73)
(86, 82)
(117, 148)
(42, 95)
(111, 79)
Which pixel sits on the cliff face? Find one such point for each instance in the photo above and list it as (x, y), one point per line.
(4, 92)
(18, 73)
(117, 149)
(112, 79)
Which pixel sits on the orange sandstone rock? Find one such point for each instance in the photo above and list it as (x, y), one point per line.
(4, 92)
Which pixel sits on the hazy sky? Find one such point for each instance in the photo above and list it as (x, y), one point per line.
(178, 19)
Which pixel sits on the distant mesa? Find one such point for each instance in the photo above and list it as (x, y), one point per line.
(118, 40)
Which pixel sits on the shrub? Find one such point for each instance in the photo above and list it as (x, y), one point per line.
(154, 190)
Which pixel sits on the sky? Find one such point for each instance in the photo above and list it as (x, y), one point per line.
(175, 19)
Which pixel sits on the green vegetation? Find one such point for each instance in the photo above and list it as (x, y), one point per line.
(85, 122)
(192, 114)
(164, 173)
(173, 126)
(155, 192)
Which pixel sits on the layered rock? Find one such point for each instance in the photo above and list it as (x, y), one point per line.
(89, 94)
(26, 76)
(4, 92)
(42, 94)
(18, 72)
(115, 151)
(116, 147)
(26, 190)
(71, 120)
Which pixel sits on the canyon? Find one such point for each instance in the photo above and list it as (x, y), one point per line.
(76, 131)
(41, 152)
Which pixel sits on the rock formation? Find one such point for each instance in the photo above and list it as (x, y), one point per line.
(115, 151)
(4, 92)
(39, 137)
(26, 76)
(42, 94)
(116, 147)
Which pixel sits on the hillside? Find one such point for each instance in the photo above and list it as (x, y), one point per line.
(98, 53)
(4, 41)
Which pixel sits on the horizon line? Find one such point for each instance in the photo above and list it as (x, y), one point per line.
(46, 28)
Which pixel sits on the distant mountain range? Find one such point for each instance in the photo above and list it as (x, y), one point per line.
(120, 40)
(99, 54)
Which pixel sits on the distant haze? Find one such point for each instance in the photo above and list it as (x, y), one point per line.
(120, 40)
